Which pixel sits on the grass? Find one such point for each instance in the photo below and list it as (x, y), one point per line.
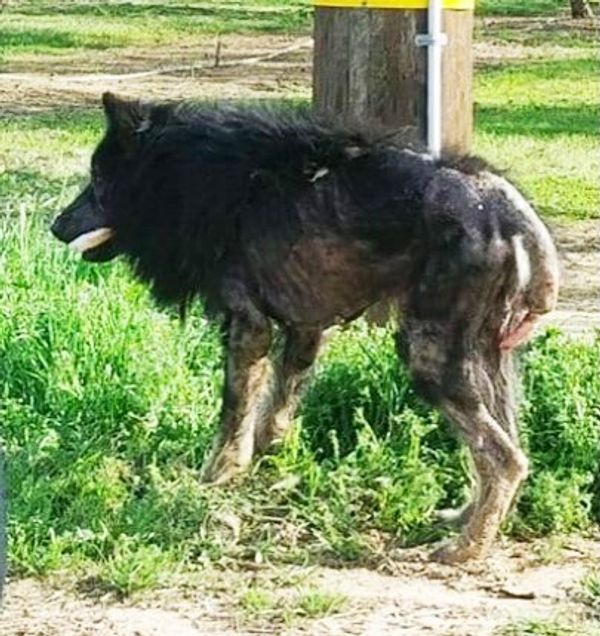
(519, 8)
(58, 28)
(108, 406)
(591, 593)
(544, 627)
(531, 121)
(267, 605)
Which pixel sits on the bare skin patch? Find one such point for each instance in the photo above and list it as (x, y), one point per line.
(542, 293)
(520, 333)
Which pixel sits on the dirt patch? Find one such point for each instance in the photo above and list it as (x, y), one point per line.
(578, 310)
(405, 594)
(34, 609)
(207, 66)
(229, 67)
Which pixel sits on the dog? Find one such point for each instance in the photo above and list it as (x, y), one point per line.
(279, 220)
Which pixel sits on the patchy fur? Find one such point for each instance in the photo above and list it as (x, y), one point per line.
(275, 217)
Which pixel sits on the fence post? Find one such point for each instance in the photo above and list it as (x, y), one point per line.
(368, 69)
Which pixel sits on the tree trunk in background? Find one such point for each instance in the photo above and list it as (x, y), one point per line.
(581, 9)
(369, 71)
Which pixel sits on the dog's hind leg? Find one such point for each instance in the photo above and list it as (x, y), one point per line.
(449, 373)
(497, 388)
(246, 377)
(501, 467)
(291, 371)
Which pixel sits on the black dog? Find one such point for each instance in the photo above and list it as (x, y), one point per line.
(279, 219)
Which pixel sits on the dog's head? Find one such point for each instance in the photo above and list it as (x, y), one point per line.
(84, 225)
(94, 224)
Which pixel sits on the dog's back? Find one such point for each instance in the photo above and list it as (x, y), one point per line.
(319, 222)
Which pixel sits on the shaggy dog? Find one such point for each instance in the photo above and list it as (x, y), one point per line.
(277, 219)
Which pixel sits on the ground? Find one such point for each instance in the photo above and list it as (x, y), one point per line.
(520, 587)
(530, 588)
(579, 247)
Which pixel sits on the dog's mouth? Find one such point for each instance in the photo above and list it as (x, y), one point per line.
(96, 245)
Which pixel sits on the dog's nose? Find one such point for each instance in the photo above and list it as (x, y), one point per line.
(57, 227)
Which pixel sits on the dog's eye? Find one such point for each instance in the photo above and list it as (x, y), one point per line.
(96, 176)
(97, 181)
(99, 187)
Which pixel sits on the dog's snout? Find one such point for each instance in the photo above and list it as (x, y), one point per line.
(57, 227)
(78, 217)
(64, 226)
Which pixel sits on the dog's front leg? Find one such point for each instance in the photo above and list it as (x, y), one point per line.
(291, 371)
(246, 375)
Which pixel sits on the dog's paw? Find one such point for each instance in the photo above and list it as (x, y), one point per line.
(457, 552)
(221, 470)
(219, 473)
(227, 461)
(213, 476)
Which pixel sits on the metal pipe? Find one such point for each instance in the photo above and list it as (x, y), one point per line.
(436, 39)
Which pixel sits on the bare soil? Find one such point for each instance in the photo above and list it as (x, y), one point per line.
(206, 67)
(578, 310)
(402, 594)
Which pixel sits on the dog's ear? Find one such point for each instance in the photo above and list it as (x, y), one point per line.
(125, 119)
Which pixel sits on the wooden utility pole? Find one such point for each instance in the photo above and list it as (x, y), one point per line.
(581, 9)
(369, 70)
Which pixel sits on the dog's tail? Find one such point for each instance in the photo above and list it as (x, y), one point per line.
(536, 278)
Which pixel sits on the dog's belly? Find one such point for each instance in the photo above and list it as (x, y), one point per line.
(324, 280)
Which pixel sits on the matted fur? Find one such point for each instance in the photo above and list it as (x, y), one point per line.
(277, 218)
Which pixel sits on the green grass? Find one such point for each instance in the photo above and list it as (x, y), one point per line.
(544, 627)
(530, 119)
(590, 593)
(539, 121)
(285, 607)
(520, 8)
(269, 605)
(55, 28)
(317, 603)
(533, 36)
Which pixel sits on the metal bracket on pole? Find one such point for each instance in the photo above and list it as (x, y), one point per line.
(424, 39)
